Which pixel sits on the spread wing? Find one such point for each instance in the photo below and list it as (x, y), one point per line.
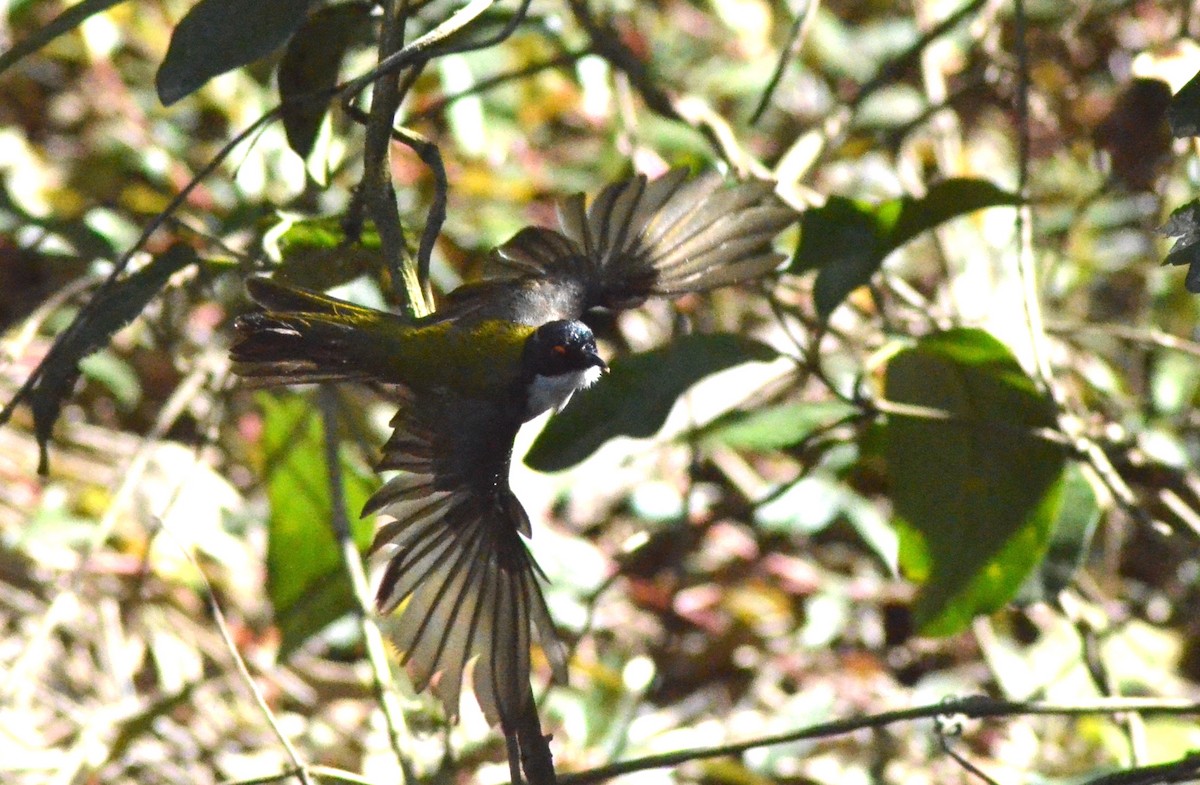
(458, 570)
(637, 239)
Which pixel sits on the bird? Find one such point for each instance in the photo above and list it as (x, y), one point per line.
(459, 588)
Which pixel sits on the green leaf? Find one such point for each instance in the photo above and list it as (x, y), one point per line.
(846, 241)
(944, 201)
(310, 66)
(976, 495)
(219, 35)
(636, 396)
(843, 240)
(117, 376)
(113, 306)
(65, 22)
(306, 580)
(1070, 540)
(315, 253)
(773, 427)
(1184, 111)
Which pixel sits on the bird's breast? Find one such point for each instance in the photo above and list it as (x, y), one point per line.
(554, 392)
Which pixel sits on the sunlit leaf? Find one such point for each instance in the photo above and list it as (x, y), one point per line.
(1070, 539)
(636, 396)
(310, 67)
(306, 581)
(317, 254)
(846, 240)
(219, 35)
(976, 495)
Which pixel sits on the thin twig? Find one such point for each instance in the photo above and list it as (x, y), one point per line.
(1186, 769)
(796, 37)
(1144, 336)
(690, 109)
(1026, 265)
(946, 729)
(377, 658)
(214, 608)
(893, 68)
(431, 156)
(811, 147)
(299, 768)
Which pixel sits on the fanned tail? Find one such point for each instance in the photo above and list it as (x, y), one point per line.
(307, 337)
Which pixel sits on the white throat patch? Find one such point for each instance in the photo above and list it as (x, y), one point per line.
(553, 392)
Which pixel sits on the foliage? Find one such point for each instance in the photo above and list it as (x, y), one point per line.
(949, 450)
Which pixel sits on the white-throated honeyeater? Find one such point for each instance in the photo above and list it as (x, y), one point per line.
(496, 354)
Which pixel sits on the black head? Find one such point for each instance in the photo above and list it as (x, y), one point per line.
(558, 359)
(558, 348)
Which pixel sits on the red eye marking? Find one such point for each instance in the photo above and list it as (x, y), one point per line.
(559, 349)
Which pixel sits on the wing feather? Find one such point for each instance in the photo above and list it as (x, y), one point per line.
(638, 238)
(460, 588)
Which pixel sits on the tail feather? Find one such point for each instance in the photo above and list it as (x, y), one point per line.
(307, 337)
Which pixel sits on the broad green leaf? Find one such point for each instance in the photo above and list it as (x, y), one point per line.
(976, 495)
(773, 427)
(113, 306)
(843, 240)
(315, 253)
(846, 240)
(838, 228)
(219, 35)
(306, 581)
(310, 66)
(1070, 539)
(636, 396)
(65, 22)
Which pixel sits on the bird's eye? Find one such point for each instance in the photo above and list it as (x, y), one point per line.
(559, 349)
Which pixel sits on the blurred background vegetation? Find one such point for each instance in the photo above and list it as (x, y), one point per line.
(803, 540)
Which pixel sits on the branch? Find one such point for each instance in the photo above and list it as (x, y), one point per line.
(689, 109)
(974, 707)
(376, 187)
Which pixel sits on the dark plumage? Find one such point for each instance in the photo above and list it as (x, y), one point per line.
(496, 354)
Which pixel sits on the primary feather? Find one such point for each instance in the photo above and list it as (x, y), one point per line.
(459, 587)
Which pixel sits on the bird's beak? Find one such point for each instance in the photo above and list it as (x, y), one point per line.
(594, 359)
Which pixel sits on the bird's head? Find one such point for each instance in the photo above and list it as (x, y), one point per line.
(559, 358)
